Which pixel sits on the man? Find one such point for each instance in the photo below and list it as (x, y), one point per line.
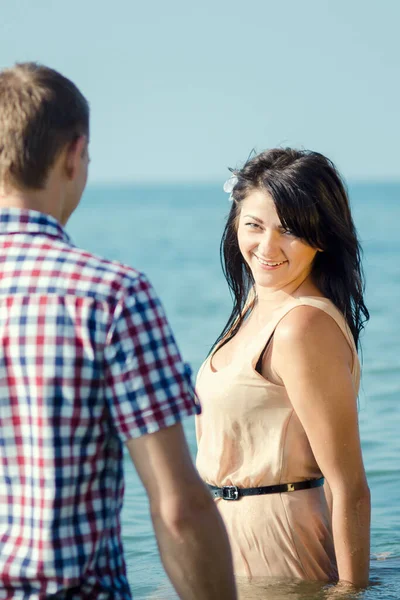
(87, 363)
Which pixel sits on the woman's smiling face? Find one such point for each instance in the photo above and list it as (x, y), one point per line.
(275, 256)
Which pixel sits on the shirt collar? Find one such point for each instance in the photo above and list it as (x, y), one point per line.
(18, 220)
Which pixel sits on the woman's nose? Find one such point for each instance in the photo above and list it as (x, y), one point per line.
(269, 244)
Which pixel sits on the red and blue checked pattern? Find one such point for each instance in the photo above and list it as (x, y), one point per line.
(87, 361)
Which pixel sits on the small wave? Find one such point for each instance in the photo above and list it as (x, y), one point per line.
(381, 556)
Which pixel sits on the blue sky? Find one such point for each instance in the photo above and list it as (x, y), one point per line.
(179, 90)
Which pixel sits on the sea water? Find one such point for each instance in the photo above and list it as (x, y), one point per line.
(172, 233)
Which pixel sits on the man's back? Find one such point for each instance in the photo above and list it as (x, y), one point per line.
(87, 362)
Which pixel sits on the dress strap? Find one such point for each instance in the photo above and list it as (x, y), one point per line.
(262, 340)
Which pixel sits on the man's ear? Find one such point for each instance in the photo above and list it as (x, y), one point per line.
(74, 152)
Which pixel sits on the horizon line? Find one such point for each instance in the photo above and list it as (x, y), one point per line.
(216, 182)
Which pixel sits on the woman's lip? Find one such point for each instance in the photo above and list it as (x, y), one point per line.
(270, 266)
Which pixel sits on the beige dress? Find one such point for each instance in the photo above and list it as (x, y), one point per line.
(249, 436)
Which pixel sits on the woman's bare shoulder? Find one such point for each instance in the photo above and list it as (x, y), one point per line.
(310, 329)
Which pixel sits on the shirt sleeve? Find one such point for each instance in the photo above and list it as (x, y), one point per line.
(147, 385)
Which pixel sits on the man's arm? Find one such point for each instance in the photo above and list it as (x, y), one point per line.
(192, 540)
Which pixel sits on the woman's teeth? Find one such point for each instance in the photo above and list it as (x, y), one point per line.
(269, 264)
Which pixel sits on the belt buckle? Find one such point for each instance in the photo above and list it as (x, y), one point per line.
(230, 492)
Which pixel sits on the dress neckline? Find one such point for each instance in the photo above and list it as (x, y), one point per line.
(295, 301)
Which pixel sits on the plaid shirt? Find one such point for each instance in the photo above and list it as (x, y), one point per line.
(87, 361)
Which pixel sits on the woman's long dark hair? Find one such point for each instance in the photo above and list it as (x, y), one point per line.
(311, 201)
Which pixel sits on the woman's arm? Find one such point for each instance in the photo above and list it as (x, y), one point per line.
(313, 359)
(197, 423)
(328, 495)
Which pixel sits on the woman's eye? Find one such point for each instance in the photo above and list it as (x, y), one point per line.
(287, 232)
(252, 225)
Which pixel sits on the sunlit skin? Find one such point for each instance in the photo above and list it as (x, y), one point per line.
(279, 261)
(65, 184)
(77, 168)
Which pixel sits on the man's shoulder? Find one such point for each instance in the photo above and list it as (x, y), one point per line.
(109, 276)
(101, 263)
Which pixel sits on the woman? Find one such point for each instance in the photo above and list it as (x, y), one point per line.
(279, 388)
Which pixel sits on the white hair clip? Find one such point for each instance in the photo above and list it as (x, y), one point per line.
(229, 185)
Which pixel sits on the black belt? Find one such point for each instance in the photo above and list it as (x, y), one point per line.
(232, 492)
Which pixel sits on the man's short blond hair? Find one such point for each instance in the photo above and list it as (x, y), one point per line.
(41, 111)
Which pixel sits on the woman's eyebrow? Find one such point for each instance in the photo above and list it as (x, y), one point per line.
(255, 218)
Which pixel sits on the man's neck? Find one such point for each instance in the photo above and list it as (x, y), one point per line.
(39, 200)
